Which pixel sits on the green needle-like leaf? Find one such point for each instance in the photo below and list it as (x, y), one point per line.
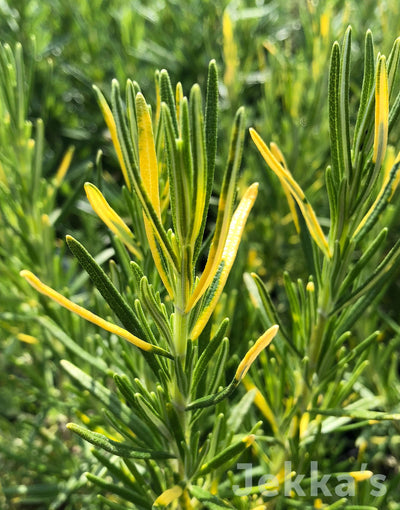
(109, 400)
(114, 447)
(105, 286)
(227, 455)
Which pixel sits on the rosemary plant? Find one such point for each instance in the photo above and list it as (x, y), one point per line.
(177, 437)
(313, 383)
(171, 428)
(32, 189)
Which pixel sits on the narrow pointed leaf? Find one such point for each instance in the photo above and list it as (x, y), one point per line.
(110, 121)
(178, 102)
(91, 317)
(149, 174)
(366, 91)
(109, 400)
(252, 354)
(210, 400)
(207, 355)
(380, 203)
(105, 286)
(199, 148)
(332, 197)
(225, 208)
(211, 136)
(234, 236)
(333, 95)
(114, 447)
(241, 371)
(381, 113)
(147, 153)
(297, 193)
(113, 221)
(123, 130)
(178, 179)
(344, 116)
(211, 501)
(131, 119)
(211, 120)
(392, 65)
(227, 455)
(64, 166)
(168, 496)
(167, 97)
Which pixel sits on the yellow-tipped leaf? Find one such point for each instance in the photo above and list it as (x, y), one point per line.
(360, 476)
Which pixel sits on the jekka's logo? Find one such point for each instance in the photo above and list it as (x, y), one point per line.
(289, 483)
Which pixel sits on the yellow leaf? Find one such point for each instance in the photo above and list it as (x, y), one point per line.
(224, 215)
(234, 236)
(261, 403)
(230, 50)
(254, 351)
(381, 112)
(324, 25)
(360, 476)
(89, 316)
(28, 339)
(292, 205)
(284, 175)
(107, 214)
(64, 165)
(112, 127)
(168, 496)
(178, 102)
(149, 174)
(147, 153)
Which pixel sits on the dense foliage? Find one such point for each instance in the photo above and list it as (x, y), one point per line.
(206, 374)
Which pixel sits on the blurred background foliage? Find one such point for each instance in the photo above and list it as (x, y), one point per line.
(273, 58)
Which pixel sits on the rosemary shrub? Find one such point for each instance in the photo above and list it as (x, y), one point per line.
(168, 171)
(173, 433)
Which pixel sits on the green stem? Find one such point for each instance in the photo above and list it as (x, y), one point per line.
(319, 330)
(180, 337)
(181, 327)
